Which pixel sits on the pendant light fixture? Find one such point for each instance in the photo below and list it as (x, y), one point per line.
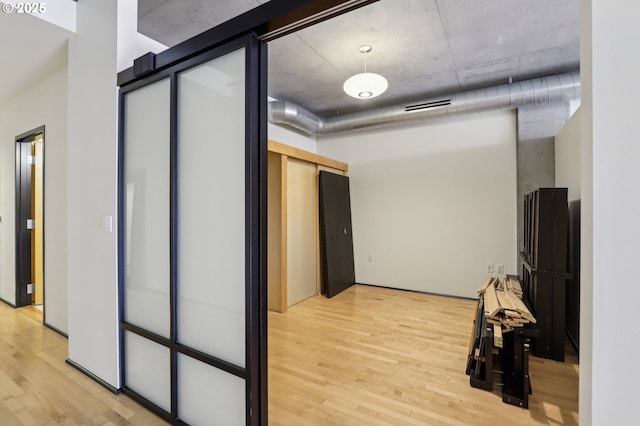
(365, 85)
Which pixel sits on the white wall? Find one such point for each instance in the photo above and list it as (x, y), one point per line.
(586, 217)
(105, 40)
(611, 207)
(567, 155)
(132, 44)
(432, 203)
(144, 45)
(91, 177)
(291, 137)
(42, 104)
(60, 13)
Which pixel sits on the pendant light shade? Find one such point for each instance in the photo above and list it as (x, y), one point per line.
(365, 85)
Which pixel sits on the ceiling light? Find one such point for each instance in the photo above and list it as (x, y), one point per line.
(365, 85)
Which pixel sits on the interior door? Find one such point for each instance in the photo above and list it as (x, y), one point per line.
(302, 223)
(24, 227)
(192, 237)
(37, 197)
(336, 236)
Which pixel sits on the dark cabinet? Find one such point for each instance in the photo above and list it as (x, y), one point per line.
(544, 275)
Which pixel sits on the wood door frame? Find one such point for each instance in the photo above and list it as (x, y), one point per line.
(23, 196)
(286, 152)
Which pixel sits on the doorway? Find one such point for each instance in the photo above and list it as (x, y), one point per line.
(29, 224)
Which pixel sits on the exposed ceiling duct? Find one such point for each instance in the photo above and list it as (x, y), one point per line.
(538, 91)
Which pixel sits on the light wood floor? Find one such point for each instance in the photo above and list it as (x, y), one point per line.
(368, 356)
(373, 356)
(38, 388)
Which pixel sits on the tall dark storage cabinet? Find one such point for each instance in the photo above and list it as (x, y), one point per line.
(543, 272)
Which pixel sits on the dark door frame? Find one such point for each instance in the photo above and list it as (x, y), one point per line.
(268, 21)
(23, 212)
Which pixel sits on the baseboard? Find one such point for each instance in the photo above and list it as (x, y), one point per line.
(92, 376)
(421, 292)
(7, 302)
(57, 330)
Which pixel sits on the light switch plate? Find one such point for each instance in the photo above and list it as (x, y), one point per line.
(107, 223)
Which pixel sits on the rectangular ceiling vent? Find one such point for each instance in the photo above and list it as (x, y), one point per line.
(427, 105)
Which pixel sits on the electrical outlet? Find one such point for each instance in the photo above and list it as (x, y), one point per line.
(501, 269)
(490, 268)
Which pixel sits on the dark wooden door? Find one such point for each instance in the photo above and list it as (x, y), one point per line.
(336, 238)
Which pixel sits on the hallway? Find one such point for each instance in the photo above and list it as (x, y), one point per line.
(37, 387)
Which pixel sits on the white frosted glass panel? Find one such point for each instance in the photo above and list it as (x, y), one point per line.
(209, 396)
(148, 369)
(146, 259)
(211, 210)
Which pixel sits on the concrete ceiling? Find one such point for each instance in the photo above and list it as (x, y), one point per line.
(423, 47)
(173, 21)
(32, 50)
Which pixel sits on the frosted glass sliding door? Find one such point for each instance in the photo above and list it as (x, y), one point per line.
(192, 237)
(146, 372)
(211, 175)
(207, 392)
(146, 245)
